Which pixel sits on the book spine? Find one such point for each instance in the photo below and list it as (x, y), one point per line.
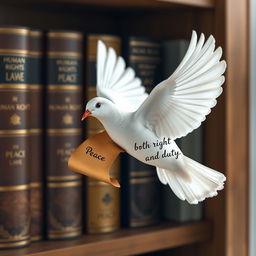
(191, 145)
(14, 136)
(144, 56)
(140, 186)
(63, 133)
(35, 95)
(102, 200)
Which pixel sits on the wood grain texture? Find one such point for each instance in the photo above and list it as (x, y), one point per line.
(215, 144)
(215, 156)
(49, 16)
(148, 24)
(237, 39)
(227, 135)
(123, 242)
(133, 3)
(198, 3)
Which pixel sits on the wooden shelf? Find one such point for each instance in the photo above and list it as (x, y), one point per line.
(126, 3)
(122, 242)
(198, 3)
(142, 3)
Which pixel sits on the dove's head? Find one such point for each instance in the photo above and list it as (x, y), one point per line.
(100, 108)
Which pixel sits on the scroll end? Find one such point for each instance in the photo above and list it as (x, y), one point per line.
(115, 182)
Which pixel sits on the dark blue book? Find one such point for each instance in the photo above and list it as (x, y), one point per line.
(140, 185)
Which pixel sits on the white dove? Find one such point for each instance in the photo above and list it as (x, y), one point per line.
(174, 108)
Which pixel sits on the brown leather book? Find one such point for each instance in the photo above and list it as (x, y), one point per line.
(14, 137)
(102, 200)
(63, 133)
(35, 96)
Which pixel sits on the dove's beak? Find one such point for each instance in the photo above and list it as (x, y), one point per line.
(86, 114)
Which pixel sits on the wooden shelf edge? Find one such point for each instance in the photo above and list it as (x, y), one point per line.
(161, 4)
(145, 3)
(196, 3)
(122, 242)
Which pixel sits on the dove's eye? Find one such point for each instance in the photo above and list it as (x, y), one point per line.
(98, 105)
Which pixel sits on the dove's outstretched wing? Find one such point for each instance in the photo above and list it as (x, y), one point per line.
(116, 82)
(180, 103)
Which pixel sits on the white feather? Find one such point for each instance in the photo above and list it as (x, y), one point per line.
(195, 183)
(196, 81)
(117, 83)
(101, 58)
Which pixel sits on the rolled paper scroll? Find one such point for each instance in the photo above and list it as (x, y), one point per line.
(95, 156)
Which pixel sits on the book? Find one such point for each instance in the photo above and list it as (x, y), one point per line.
(14, 137)
(140, 186)
(172, 207)
(35, 97)
(102, 199)
(63, 133)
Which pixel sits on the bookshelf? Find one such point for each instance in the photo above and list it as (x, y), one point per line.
(123, 242)
(225, 229)
(135, 4)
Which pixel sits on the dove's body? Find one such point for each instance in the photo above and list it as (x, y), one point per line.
(129, 133)
(174, 108)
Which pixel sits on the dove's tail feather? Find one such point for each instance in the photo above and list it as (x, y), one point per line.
(195, 183)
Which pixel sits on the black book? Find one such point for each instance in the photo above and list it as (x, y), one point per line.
(191, 145)
(140, 185)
